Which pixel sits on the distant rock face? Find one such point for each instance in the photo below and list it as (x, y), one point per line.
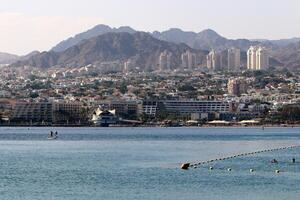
(33, 53)
(289, 55)
(94, 32)
(177, 36)
(207, 39)
(281, 42)
(140, 47)
(6, 58)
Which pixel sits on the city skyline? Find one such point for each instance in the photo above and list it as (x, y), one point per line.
(149, 99)
(45, 23)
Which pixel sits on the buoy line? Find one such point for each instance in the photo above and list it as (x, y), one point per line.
(186, 166)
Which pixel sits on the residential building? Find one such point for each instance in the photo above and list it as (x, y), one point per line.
(214, 61)
(189, 60)
(236, 86)
(262, 59)
(257, 58)
(251, 58)
(109, 67)
(165, 60)
(234, 59)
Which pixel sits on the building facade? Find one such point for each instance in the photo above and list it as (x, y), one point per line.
(47, 113)
(33, 113)
(214, 61)
(123, 109)
(190, 107)
(236, 86)
(150, 108)
(165, 61)
(178, 107)
(257, 58)
(128, 66)
(234, 59)
(189, 60)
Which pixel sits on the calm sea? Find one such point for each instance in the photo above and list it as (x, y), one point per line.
(144, 164)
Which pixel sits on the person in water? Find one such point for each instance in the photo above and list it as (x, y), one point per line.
(274, 161)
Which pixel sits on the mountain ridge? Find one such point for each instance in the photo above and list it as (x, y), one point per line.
(7, 58)
(139, 46)
(93, 32)
(205, 40)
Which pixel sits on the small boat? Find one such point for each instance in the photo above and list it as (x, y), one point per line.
(54, 137)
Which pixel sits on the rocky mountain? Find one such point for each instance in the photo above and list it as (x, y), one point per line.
(140, 47)
(207, 39)
(176, 35)
(289, 55)
(285, 52)
(280, 43)
(27, 56)
(96, 31)
(6, 58)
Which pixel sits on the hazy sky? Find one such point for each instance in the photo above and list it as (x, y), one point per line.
(27, 25)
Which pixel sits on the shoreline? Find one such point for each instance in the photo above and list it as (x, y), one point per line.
(204, 127)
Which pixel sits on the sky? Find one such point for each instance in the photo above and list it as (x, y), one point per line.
(28, 25)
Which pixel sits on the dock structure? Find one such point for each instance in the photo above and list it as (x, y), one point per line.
(186, 166)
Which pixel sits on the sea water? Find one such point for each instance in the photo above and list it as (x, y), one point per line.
(144, 163)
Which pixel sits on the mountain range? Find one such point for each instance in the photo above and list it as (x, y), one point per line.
(289, 55)
(204, 40)
(96, 31)
(140, 47)
(85, 48)
(6, 58)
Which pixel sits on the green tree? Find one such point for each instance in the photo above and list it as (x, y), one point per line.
(34, 95)
(123, 88)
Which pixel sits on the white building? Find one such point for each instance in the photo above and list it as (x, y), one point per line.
(257, 58)
(262, 59)
(214, 61)
(251, 58)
